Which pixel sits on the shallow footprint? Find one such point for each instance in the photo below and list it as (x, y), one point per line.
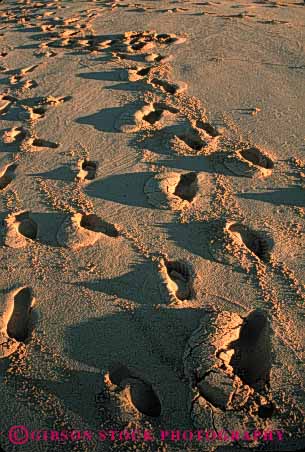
(84, 230)
(177, 278)
(19, 229)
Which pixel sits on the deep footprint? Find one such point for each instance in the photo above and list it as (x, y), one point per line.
(96, 224)
(193, 140)
(27, 227)
(187, 187)
(40, 143)
(257, 245)
(19, 324)
(90, 168)
(156, 114)
(252, 351)
(253, 155)
(140, 393)
(208, 128)
(164, 85)
(7, 176)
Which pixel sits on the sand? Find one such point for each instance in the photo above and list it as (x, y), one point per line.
(152, 220)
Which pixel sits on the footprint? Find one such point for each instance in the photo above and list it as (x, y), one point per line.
(157, 112)
(29, 84)
(16, 134)
(36, 144)
(207, 365)
(87, 169)
(130, 121)
(208, 128)
(15, 311)
(84, 230)
(96, 224)
(139, 393)
(251, 240)
(7, 174)
(15, 79)
(171, 190)
(167, 87)
(177, 278)
(165, 38)
(249, 162)
(138, 73)
(251, 360)
(37, 113)
(19, 229)
(187, 187)
(5, 104)
(193, 140)
(18, 326)
(55, 101)
(157, 58)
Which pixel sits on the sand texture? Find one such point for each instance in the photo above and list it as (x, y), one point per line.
(152, 215)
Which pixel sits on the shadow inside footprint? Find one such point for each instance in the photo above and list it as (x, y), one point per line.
(193, 140)
(96, 224)
(27, 227)
(19, 324)
(256, 157)
(90, 167)
(187, 187)
(256, 244)
(208, 128)
(39, 142)
(179, 273)
(140, 393)
(7, 176)
(252, 351)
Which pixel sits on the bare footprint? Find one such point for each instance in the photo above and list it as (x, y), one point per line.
(251, 360)
(171, 190)
(249, 162)
(84, 230)
(7, 174)
(19, 230)
(137, 392)
(18, 326)
(208, 128)
(158, 110)
(5, 104)
(16, 134)
(29, 84)
(15, 309)
(39, 144)
(177, 278)
(87, 170)
(253, 241)
(168, 87)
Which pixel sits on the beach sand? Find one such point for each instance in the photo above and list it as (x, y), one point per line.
(152, 221)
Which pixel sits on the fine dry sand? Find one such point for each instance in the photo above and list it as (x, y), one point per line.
(152, 217)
